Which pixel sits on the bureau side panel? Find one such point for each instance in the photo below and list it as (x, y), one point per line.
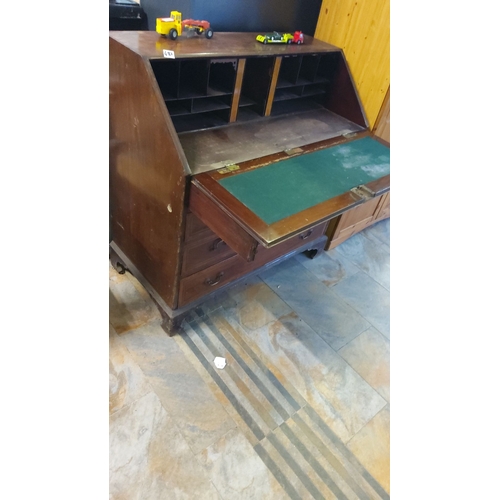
(147, 173)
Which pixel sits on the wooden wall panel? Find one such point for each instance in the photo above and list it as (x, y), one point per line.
(362, 30)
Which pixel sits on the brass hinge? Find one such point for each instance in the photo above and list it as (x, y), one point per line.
(228, 168)
(363, 192)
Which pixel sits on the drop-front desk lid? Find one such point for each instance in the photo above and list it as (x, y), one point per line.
(255, 203)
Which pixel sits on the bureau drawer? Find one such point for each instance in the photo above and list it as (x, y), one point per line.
(265, 255)
(210, 279)
(205, 251)
(207, 280)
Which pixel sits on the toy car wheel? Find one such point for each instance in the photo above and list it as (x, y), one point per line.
(199, 31)
(289, 41)
(209, 33)
(299, 42)
(173, 34)
(265, 41)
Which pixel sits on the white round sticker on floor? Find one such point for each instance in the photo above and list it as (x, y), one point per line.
(220, 362)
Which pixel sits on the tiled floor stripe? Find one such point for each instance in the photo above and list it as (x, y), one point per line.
(277, 473)
(255, 379)
(329, 456)
(346, 452)
(294, 399)
(269, 416)
(297, 440)
(299, 472)
(223, 387)
(237, 378)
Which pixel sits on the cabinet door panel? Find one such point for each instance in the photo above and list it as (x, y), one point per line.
(363, 214)
(384, 210)
(355, 220)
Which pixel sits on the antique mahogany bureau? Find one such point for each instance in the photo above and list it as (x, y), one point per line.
(227, 156)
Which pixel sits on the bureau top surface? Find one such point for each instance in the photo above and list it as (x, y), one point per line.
(151, 45)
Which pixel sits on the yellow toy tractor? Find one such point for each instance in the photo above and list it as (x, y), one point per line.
(173, 26)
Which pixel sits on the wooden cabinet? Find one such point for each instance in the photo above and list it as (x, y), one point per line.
(385, 208)
(355, 220)
(227, 156)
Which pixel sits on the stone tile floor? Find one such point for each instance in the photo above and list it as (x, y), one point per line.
(301, 409)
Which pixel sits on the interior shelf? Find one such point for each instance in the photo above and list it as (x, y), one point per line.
(199, 121)
(285, 94)
(313, 90)
(199, 93)
(284, 83)
(295, 106)
(204, 105)
(177, 107)
(198, 105)
(246, 101)
(218, 90)
(302, 83)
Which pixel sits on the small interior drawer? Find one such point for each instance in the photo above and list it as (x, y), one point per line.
(206, 250)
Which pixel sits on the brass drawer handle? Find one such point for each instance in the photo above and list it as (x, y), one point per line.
(216, 244)
(213, 282)
(306, 235)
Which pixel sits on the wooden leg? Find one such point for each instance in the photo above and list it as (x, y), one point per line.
(314, 251)
(117, 264)
(171, 326)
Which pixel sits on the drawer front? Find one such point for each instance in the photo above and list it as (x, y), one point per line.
(204, 252)
(346, 233)
(265, 255)
(206, 281)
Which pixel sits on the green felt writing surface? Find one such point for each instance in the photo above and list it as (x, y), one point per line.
(284, 188)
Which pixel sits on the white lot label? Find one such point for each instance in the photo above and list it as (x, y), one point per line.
(170, 54)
